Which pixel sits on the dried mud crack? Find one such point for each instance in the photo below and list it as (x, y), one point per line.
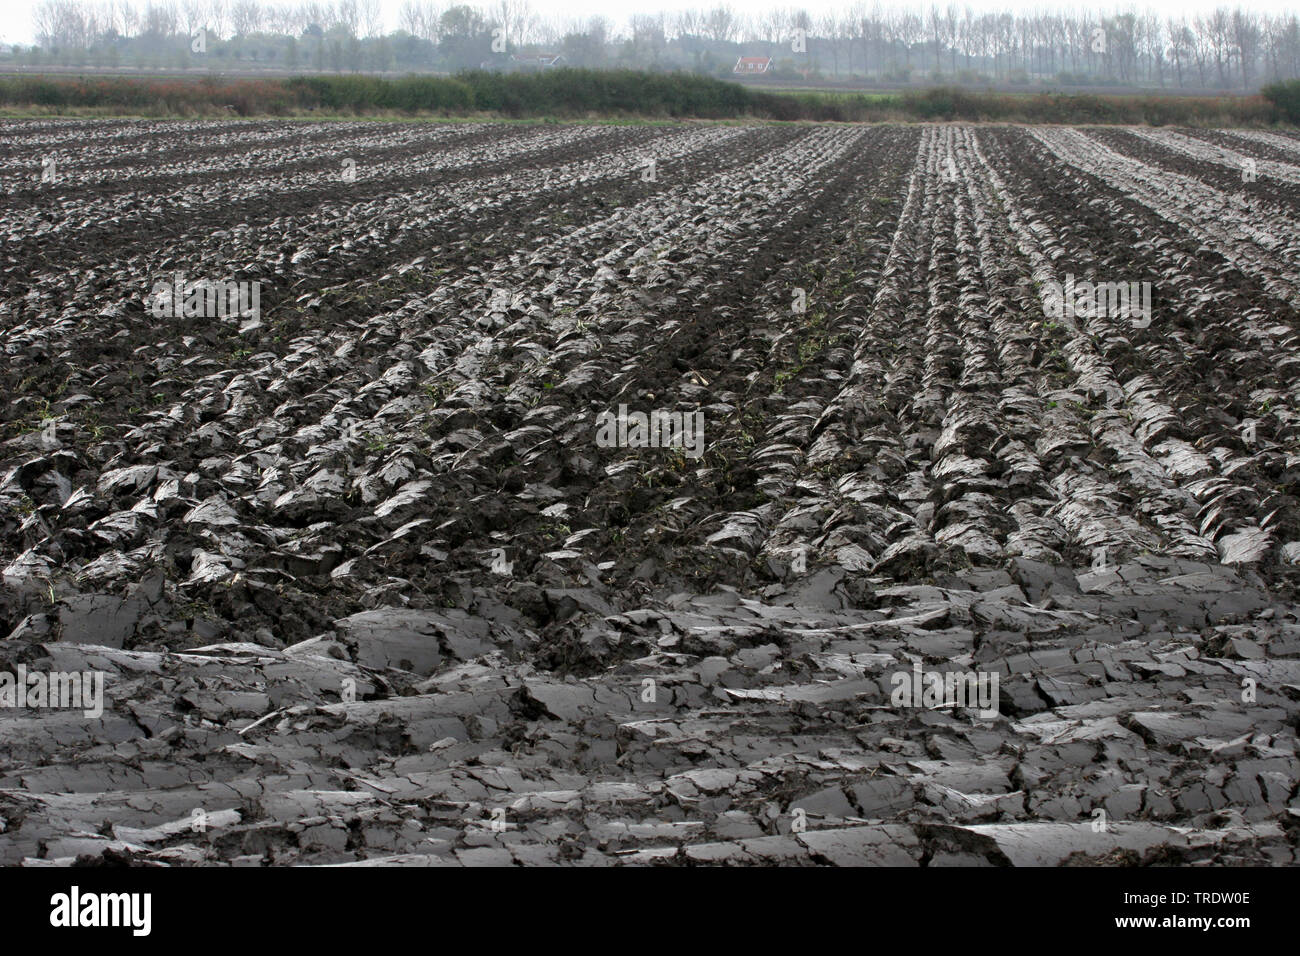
(363, 587)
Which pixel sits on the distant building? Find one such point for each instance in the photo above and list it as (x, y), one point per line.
(752, 65)
(537, 61)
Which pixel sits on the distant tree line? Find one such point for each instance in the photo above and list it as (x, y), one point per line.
(1227, 49)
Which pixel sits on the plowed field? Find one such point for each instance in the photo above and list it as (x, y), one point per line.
(363, 584)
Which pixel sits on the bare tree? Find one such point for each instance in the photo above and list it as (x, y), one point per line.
(1151, 43)
(424, 20)
(1181, 44)
(130, 20)
(372, 18)
(193, 14)
(515, 17)
(720, 25)
(347, 15)
(648, 38)
(1245, 36)
(1212, 36)
(161, 19)
(938, 36)
(688, 23)
(1121, 45)
(409, 18)
(218, 11)
(245, 17)
(547, 32)
(61, 24)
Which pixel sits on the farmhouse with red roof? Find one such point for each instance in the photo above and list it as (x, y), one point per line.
(750, 65)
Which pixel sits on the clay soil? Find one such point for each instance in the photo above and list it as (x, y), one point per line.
(365, 588)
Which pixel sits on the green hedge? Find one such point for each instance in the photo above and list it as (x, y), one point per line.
(561, 92)
(579, 93)
(1285, 99)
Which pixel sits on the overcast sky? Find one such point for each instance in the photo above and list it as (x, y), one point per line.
(16, 25)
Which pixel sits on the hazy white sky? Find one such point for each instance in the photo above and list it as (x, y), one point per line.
(16, 15)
